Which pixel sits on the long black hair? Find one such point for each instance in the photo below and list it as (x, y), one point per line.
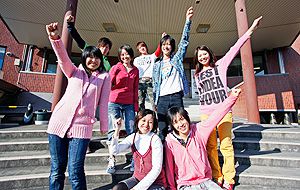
(142, 113)
(92, 51)
(212, 58)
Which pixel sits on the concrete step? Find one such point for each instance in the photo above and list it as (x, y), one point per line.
(266, 158)
(30, 177)
(42, 158)
(277, 132)
(6, 135)
(41, 143)
(38, 177)
(287, 178)
(244, 143)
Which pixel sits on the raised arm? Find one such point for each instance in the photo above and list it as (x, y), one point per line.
(74, 33)
(117, 147)
(157, 160)
(234, 50)
(64, 61)
(208, 125)
(184, 42)
(254, 26)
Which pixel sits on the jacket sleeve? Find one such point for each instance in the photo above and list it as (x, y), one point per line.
(76, 36)
(63, 59)
(136, 92)
(103, 104)
(157, 51)
(233, 51)
(184, 42)
(208, 125)
(170, 167)
(113, 75)
(124, 145)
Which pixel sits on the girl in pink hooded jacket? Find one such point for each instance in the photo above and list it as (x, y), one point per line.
(71, 124)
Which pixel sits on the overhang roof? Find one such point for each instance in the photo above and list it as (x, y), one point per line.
(145, 20)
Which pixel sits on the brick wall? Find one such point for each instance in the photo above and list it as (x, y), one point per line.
(8, 40)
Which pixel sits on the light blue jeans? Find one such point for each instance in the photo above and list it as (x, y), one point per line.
(206, 185)
(67, 151)
(124, 111)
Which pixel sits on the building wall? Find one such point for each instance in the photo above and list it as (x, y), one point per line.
(10, 73)
(279, 92)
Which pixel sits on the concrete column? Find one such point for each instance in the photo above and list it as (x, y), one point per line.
(247, 64)
(60, 80)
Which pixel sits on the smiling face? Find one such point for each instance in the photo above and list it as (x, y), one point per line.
(92, 63)
(145, 124)
(143, 50)
(104, 49)
(181, 125)
(166, 48)
(125, 57)
(203, 57)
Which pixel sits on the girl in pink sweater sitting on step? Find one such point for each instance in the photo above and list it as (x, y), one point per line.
(71, 124)
(187, 165)
(147, 153)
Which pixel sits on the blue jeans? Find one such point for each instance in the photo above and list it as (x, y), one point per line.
(63, 150)
(145, 89)
(163, 105)
(116, 111)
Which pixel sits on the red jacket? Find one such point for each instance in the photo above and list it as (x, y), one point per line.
(124, 85)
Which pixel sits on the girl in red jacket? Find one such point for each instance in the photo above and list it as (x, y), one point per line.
(123, 98)
(71, 124)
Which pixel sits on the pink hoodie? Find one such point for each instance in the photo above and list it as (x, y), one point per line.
(74, 114)
(189, 165)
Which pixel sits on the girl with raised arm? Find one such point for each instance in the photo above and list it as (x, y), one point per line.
(71, 124)
(211, 81)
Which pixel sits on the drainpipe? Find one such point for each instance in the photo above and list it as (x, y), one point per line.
(60, 80)
(247, 64)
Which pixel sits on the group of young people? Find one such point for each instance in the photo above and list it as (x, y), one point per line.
(169, 152)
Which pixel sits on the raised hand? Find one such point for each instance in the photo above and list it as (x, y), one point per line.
(254, 25)
(117, 124)
(190, 13)
(235, 92)
(70, 18)
(163, 34)
(52, 30)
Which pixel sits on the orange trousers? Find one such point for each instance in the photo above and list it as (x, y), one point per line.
(224, 131)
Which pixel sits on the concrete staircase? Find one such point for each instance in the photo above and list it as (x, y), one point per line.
(267, 157)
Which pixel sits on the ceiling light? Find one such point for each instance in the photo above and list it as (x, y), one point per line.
(109, 27)
(203, 28)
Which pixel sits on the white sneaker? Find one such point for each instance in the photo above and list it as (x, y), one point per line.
(131, 166)
(111, 169)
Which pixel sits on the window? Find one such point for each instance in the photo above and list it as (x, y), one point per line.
(52, 62)
(2, 55)
(235, 68)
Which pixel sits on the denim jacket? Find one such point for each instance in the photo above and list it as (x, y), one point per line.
(176, 61)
